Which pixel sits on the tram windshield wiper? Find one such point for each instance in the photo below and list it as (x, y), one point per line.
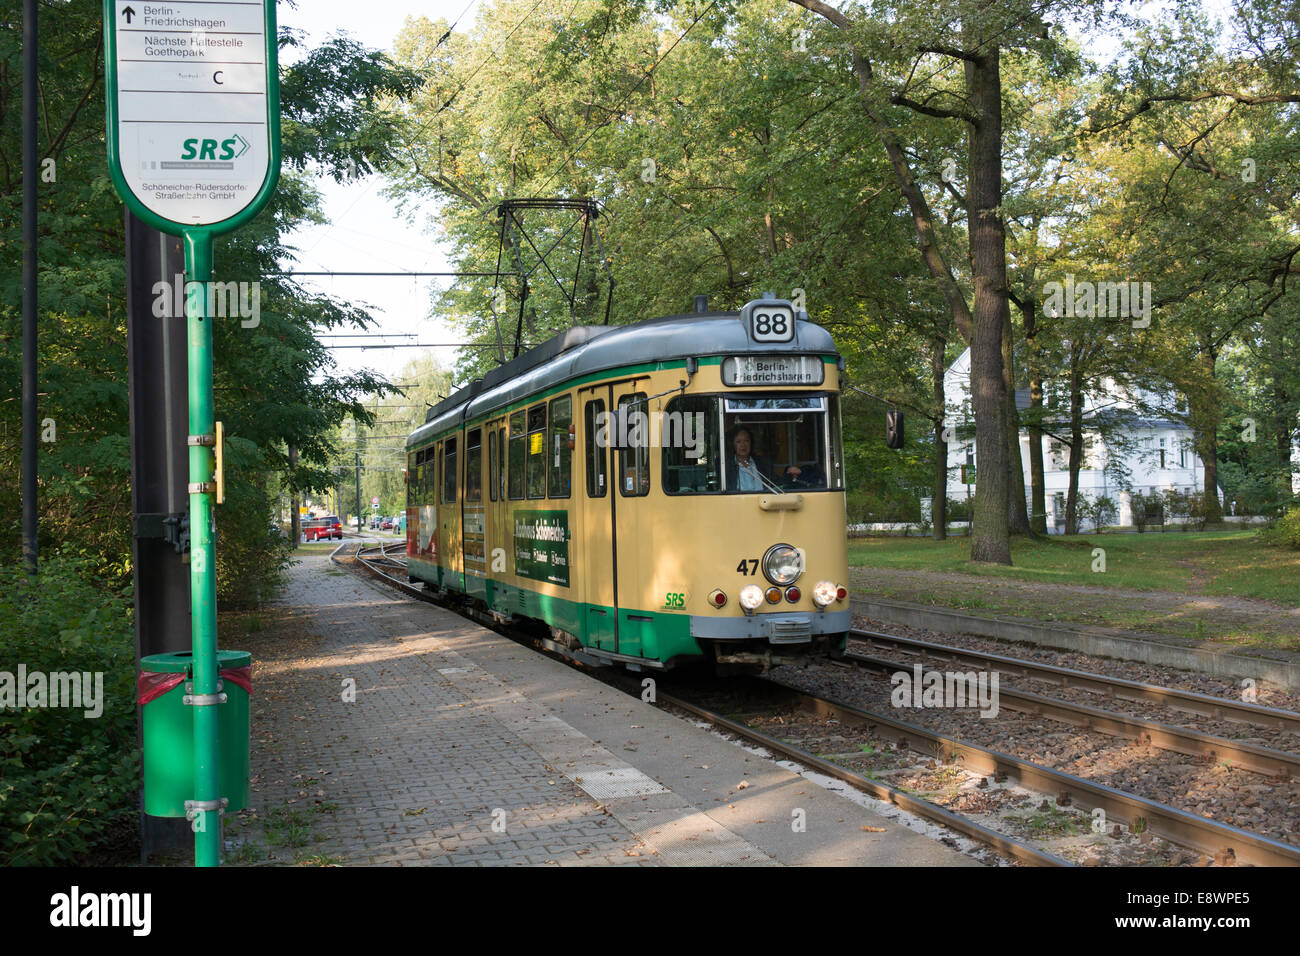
(772, 485)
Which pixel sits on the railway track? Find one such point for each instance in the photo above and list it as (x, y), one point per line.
(1223, 842)
(1262, 760)
(1218, 840)
(1203, 705)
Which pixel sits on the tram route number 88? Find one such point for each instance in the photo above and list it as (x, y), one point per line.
(774, 323)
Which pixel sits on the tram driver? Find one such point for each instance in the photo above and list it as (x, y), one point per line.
(746, 471)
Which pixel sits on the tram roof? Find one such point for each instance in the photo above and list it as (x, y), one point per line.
(586, 349)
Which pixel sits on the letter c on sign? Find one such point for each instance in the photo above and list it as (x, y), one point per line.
(216, 78)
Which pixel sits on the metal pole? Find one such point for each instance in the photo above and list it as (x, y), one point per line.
(203, 558)
(358, 454)
(295, 522)
(29, 286)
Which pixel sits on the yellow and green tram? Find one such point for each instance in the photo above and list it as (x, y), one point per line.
(654, 493)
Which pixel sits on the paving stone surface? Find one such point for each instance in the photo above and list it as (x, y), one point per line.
(408, 770)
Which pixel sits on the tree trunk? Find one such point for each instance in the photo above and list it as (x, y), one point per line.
(1017, 510)
(1285, 419)
(1205, 433)
(991, 541)
(939, 504)
(1037, 484)
(1076, 441)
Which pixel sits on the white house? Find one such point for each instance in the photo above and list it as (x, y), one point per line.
(1150, 452)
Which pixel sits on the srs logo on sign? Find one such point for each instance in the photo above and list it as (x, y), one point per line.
(231, 148)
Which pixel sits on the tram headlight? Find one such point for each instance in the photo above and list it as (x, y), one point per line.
(824, 594)
(783, 564)
(751, 596)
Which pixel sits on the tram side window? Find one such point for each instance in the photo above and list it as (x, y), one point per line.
(412, 474)
(474, 466)
(518, 449)
(691, 457)
(634, 462)
(594, 415)
(559, 476)
(494, 463)
(537, 451)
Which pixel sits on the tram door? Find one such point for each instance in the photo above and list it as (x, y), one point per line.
(449, 539)
(497, 542)
(472, 519)
(595, 555)
(632, 518)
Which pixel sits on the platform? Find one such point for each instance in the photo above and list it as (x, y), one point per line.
(465, 748)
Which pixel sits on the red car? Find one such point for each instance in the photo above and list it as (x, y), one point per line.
(316, 529)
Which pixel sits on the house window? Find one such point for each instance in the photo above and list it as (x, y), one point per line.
(1162, 453)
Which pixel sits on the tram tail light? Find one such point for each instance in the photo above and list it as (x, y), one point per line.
(717, 598)
(841, 593)
(792, 595)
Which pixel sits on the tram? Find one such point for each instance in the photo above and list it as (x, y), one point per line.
(653, 494)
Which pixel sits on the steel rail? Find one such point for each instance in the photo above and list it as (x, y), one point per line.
(1263, 760)
(882, 791)
(1178, 826)
(1205, 705)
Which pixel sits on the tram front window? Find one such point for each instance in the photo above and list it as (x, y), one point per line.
(756, 444)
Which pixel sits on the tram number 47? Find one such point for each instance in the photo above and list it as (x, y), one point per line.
(752, 568)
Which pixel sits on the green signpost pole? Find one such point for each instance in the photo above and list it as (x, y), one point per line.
(203, 554)
(193, 122)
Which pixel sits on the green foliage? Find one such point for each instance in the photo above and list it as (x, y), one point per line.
(275, 385)
(1100, 511)
(1285, 532)
(66, 781)
(253, 553)
(1148, 507)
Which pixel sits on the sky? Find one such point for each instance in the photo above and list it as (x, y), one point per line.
(364, 230)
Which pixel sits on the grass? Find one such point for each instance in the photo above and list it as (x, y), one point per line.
(1053, 822)
(1216, 563)
(282, 828)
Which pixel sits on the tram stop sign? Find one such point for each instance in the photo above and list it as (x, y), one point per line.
(193, 102)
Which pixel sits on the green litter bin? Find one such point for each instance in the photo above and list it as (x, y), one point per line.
(169, 731)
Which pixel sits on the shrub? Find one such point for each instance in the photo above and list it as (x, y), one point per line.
(1176, 506)
(66, 780)
(1100, 511)
(1197, 513)
(252, 555)
(1148, 506)
(1285, 531)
